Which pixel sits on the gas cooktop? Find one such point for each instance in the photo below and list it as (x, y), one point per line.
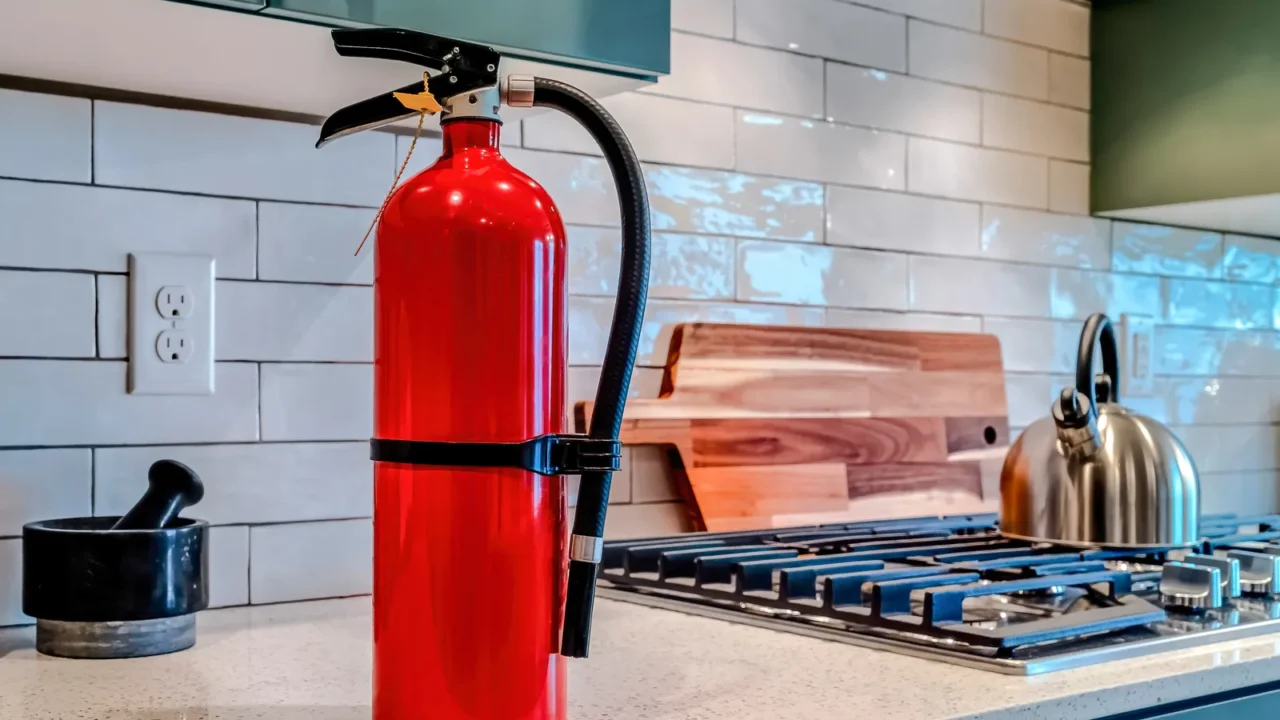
(952, 589)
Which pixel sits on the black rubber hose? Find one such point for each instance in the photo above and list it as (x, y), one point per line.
(1097, 329)
(624, 338)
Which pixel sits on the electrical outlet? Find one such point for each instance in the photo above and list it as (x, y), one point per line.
(174, 346)
(171, 323)
(174, 301)
(1137, 355)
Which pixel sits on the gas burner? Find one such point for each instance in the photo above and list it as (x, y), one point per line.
(953, 588)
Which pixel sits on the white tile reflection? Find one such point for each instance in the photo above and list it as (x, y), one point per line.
(726, 203)
(694, 267)
(1219, 304)
(818, 275)
(1076, 294)
(1160, 250)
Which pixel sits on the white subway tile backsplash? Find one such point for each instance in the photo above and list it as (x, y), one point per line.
(84, 402)
(726, 203)
(1068, 187)
(1202, 351)
(1248, 492)
(196, 152)
(830, 28)
(580, 186)
(1218, 304)
(1053, 24)
(112, 318)
(1033, 127)
(43, 484)
(11, 583)
(619, 484)
(317, 402)
(960, 13)
(652, 479)
(1218, 448)
(661, 129)
(1251, 259)
(775, 272)
(46, 314)
(1160, 250)
(313, 243)
(1029, 397)
(965, 58)
(969, 173)
(691, 267)
(646, 520)
(1219, 401)
(257, 483)
(44, 137)
(819, 150)
(681, 199)
(1045, 238)
(38, 231)
(915, 321)
(978, 287)
(1035, 345)
(898, 221)
(1069, 82)
(888, 101)
(726, 73)
(706, 17)
(582, 383)
(589, 324)
(294, 322)
(1076, 294)
(228, 566)
(300, 561)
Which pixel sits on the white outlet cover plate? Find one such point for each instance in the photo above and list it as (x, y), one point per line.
(1137, 355)
(148, 375)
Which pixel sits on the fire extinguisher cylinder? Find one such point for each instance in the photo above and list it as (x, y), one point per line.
(470, 552)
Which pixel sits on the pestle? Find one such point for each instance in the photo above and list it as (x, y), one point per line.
(172, 486)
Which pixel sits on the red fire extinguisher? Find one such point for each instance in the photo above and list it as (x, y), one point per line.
(474, 612)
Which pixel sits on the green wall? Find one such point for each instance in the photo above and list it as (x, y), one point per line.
(1186, 101)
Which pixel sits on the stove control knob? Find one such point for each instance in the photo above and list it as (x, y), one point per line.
(1228, 566)
(1190, 587)
(1259, 572)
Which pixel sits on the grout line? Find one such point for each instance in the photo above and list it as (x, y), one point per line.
(93, 482)
(184, 193)
(257, 240)
(93, 125)
(258, 372)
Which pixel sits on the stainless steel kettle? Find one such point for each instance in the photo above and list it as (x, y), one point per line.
(1097, 473)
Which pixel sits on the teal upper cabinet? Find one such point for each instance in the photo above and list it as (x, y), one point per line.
(628, 37)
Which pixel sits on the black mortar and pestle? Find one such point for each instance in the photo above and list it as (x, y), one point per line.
(115, 587)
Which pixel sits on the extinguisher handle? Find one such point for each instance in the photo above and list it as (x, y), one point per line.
(464, 68)
(454, 58)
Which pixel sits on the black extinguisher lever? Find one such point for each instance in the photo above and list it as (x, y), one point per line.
(464, 68)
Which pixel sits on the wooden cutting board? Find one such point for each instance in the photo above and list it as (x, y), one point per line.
(783, 426)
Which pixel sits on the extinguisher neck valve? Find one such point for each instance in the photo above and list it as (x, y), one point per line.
(517, 91)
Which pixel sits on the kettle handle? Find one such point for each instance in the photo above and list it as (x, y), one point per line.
(1097, 330)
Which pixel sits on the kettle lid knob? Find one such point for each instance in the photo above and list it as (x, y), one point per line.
(1072, 410)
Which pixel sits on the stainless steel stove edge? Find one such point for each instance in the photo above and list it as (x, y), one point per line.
(1037, 666)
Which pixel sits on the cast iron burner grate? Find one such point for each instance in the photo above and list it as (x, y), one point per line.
(949, 585)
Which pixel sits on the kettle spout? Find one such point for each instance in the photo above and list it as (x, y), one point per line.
(1077, 424)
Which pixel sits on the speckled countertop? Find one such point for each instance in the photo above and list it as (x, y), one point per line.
(310, 661)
